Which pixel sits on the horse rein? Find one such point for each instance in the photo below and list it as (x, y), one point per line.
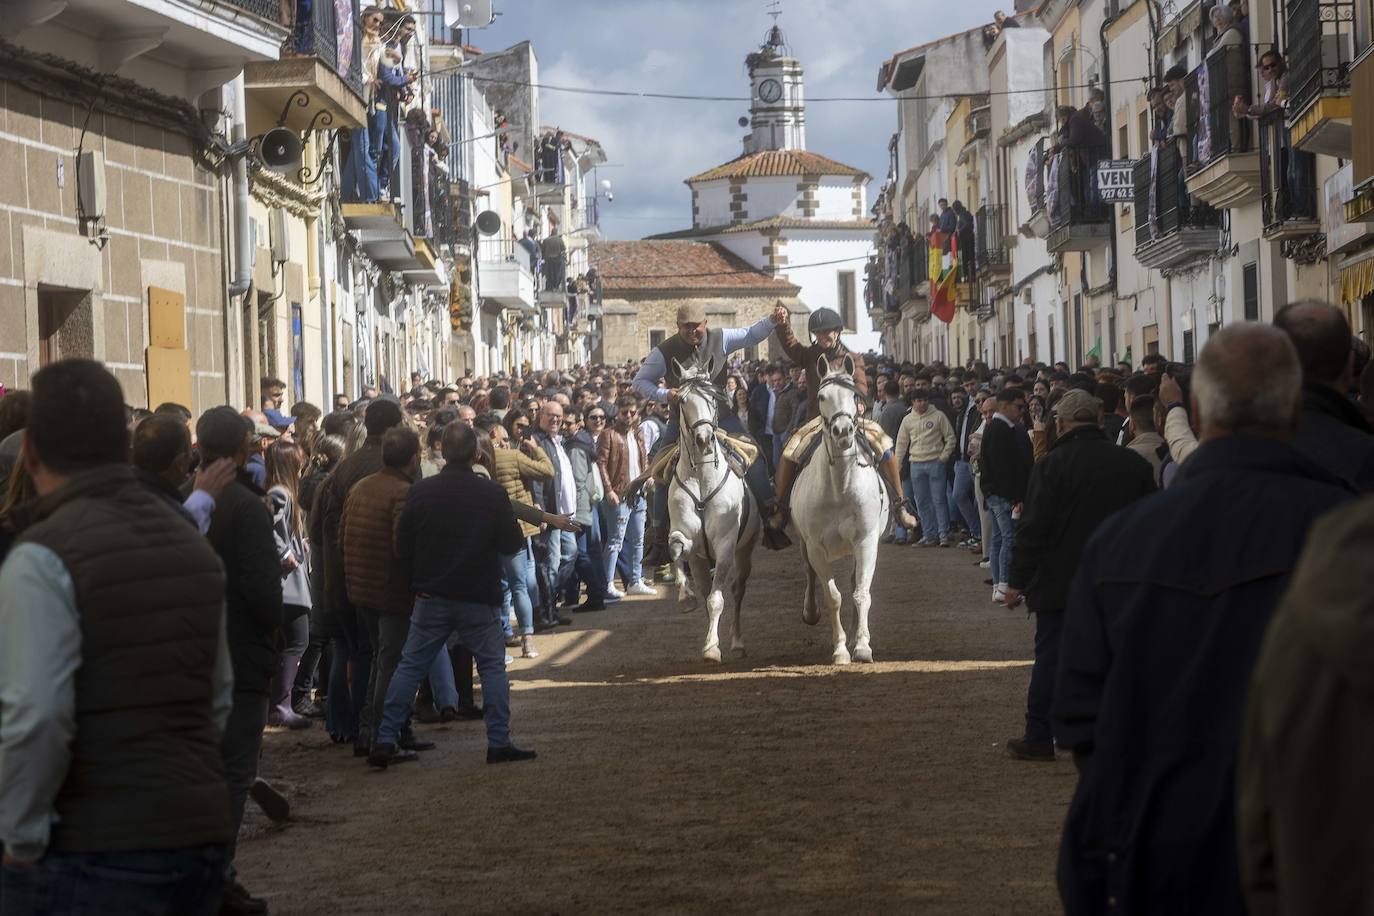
(848, 383)
(705, 388)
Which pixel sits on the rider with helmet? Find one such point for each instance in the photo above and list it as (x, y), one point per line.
(825, 326)
(695, 343)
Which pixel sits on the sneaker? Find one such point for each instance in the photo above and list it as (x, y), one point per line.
(948, 541)
(614, 593)
(509, 659)
(642, 589)
(527, 649)
(1021, 749)
(985, 564)
(999, 594)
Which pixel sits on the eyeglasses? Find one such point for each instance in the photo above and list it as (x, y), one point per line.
(1268, 66)
(596, 418)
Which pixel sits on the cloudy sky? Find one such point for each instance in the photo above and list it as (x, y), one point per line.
(698, 47)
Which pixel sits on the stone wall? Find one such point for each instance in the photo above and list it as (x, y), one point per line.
(162, 215)
(628, 325)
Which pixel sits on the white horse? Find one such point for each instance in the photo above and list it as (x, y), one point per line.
(839, 508)
(714, 519)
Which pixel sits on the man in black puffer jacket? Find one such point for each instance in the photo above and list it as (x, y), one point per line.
(241, 533)
(1083, 479)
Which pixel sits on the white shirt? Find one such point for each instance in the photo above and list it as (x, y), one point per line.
(632, 449)
(567, 490)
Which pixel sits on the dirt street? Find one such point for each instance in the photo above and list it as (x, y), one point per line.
(776, 783)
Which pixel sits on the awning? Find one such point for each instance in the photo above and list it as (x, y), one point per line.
(1357, 281)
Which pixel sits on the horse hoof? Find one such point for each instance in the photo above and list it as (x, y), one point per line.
(864, 655)
(840, 658)
(810, 616)
(712, 654)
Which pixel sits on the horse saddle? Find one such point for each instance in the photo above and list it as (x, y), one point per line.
(740, 453)
(873, 443)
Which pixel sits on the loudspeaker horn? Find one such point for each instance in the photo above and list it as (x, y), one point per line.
(488, 222)
(280, 150)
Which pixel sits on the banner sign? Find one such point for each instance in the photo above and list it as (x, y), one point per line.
(1116, 181)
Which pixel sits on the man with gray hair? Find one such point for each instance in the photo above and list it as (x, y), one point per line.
(1163, 623)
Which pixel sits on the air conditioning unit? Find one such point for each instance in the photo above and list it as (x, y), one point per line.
(279, 235)
(90, 189)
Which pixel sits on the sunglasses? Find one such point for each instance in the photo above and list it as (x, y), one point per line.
(596, 417)
(522, 426)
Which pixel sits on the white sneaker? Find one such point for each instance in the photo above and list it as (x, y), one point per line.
(999, 594)
(641, 588)
(527, 649)
(986, 564)
(613, 592)
(509, 659)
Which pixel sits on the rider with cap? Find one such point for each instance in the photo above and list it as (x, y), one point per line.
(825, 326)
(696, 343)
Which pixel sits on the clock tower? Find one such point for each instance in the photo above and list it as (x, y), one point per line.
(777, 110)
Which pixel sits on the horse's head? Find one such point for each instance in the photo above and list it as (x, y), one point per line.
(698, 401)
(838, 400)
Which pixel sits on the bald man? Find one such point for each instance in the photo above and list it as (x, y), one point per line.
(1163, 623)
(1332, 432)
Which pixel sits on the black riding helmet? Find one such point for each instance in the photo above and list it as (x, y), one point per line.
(824, 320)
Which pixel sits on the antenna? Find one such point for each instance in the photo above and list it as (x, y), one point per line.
(775, 9)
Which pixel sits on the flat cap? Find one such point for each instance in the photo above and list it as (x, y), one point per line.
(691, 313)
(1078, 406)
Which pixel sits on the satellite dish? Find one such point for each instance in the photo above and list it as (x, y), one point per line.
(743, 121)
(280, 150)
(488, 222)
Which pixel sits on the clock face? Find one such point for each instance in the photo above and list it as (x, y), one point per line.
(770, 90)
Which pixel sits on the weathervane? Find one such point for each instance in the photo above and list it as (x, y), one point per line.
(775, 9)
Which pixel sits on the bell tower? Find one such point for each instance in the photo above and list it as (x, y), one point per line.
(777, 110)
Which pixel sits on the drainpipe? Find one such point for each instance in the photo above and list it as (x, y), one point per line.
(1107, 101)
(243, 266)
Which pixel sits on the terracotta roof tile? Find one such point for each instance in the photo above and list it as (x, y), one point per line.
(776, 162)
(672, 265)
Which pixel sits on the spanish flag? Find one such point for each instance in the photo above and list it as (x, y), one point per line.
(942, 288)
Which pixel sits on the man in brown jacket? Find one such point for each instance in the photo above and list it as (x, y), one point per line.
(372, 574)
(621, 455)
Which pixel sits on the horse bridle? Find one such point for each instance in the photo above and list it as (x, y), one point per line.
(848, 383)
(708, 389)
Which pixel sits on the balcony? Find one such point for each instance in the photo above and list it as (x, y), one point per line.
(1078, 220)
(1320, 54)
(978, 124)
(1360, 207)
(991, 260)
(504, 274)
(400, 234)
(322, 59)
(1170, 228)
(1224, 166)
(1288, 183)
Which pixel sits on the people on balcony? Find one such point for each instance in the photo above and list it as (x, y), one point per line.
(949, 223)
(1071, 191)
(1295, 195)
(1228, 35)
(371, 160)
(1178, 131)
(964, 226)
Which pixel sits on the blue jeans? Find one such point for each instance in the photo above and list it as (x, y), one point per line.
(557, 566)
(756, 477)
(928, 482)
(358, 183)
(624, 541)
(518, 571)
(347, 691)
(383, 144)
(478, 628)
(963, 497)
(910, 494)
(589, 567)
(1003, 538)
(189, 881)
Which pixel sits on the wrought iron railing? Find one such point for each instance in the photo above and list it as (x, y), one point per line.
(267, 9)
(991, 222)
(1071, 195)
(1213, 129)
(1162, 203)
(1320, 49)
(1288, 176)
(332, 32)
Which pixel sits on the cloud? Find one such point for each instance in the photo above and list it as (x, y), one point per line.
(698, 48)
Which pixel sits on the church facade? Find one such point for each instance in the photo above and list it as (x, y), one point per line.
(792, 213)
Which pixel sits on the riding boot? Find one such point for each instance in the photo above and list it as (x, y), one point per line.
(892, 476)
(774, 532)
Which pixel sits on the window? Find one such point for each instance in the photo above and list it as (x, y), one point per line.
(64, 324)
(1123, 143)
(845, 298)
(267, 340)
(1150, 335)
(1188, 346)
(656, 337)
(1250, 287)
